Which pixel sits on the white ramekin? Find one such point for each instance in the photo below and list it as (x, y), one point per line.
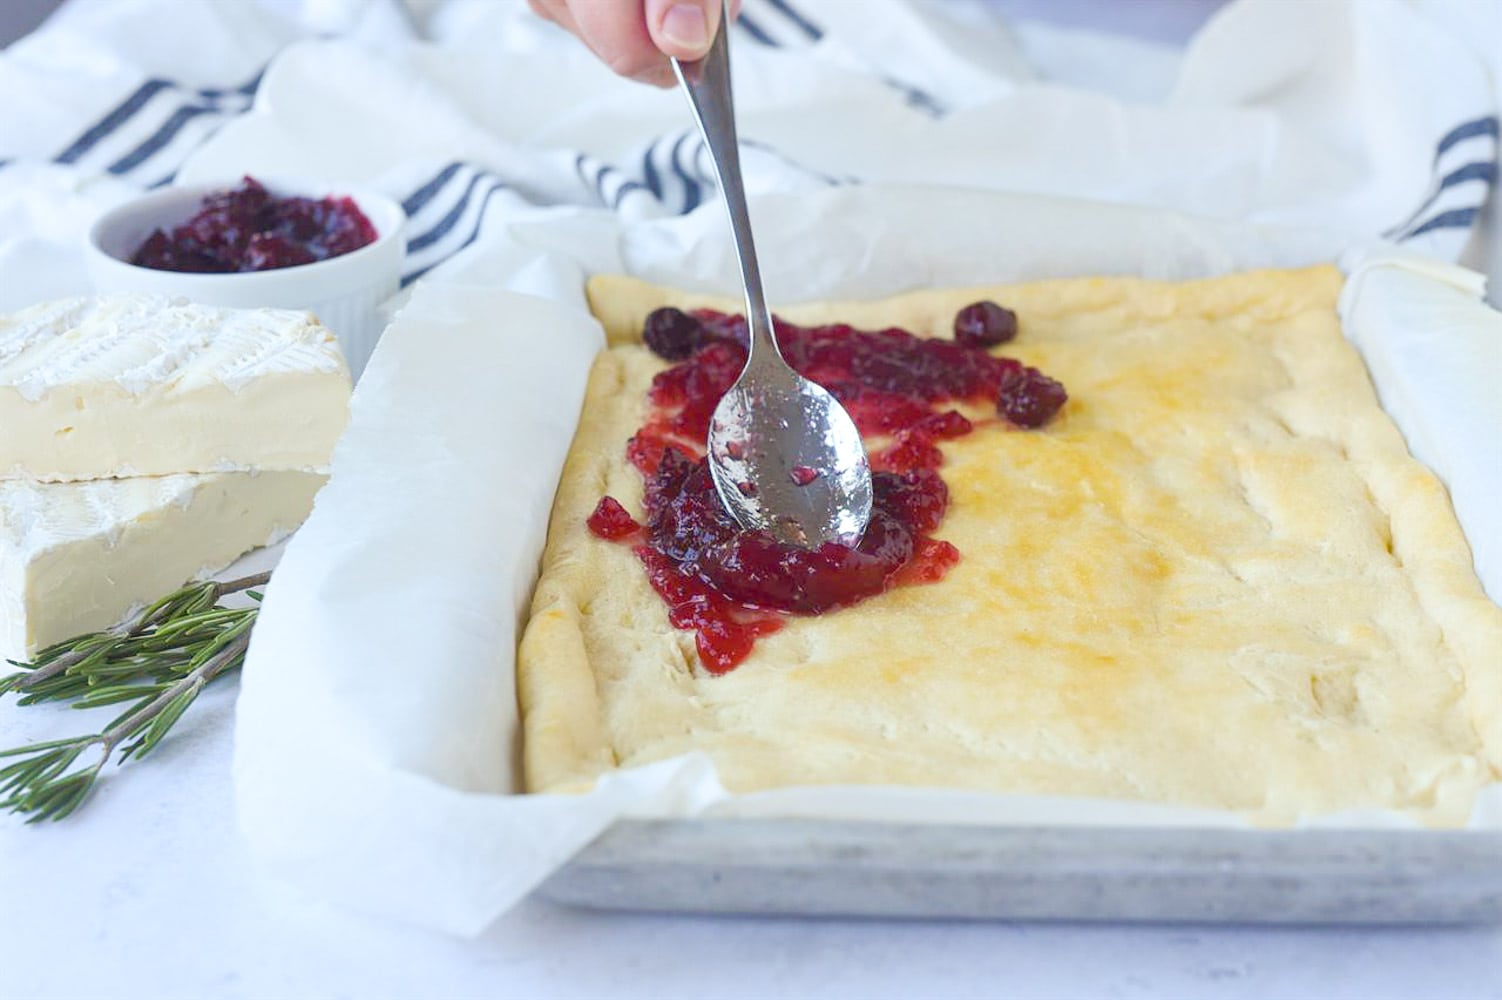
(344, 292)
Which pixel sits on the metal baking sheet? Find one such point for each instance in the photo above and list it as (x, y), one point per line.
(814, 867)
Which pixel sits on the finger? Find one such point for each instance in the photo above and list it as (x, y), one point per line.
(553, 10)
(617, 32)
(660, 75)
(557, 11)
(683, 28)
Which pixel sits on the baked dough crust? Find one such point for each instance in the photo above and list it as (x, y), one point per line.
(1217, 579)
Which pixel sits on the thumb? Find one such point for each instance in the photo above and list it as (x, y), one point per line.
(683, 29)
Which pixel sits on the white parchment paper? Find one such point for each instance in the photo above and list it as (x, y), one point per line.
(377, 730)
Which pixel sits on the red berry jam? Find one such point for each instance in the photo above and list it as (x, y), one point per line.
(249, 229)
(732, 586)
(610, 520)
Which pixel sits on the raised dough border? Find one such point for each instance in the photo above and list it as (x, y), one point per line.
(564, 738)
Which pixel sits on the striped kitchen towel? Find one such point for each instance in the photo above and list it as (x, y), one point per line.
(1357, 120)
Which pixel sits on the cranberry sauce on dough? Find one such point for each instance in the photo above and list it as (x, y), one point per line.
(731, 586)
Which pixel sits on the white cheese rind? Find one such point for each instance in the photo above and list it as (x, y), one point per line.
(145, 385)
(76, 557)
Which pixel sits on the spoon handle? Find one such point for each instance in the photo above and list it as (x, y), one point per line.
(707, 83)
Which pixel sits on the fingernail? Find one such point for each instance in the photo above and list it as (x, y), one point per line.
(684, 25)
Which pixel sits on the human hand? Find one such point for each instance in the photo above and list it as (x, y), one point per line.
(636, 37)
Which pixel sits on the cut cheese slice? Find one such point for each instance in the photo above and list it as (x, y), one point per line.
(77, 557)
(141, 385)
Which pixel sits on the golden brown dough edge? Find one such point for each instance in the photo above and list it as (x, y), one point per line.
(564, 739)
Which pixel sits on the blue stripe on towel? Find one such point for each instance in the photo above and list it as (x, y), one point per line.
(602, 174)
(1467, 130)
(1485, 171)
(220, 100)
(474, 233)
(441, 229)
(591, 176)
(1482, 171)
(159, 139)
(917, 98)
(809, 28)
(773, 151)
(252, 85)
(755, 30)
(627, 186)
(1456, 218)
(245, 89)
(122, 113)
(414, 202)
(649, 174)
(692, 190)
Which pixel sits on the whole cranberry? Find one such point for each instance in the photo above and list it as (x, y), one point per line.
(672, 334)
(984, 324)
(1028, 398)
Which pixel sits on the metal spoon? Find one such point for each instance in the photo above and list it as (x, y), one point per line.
(785, 456)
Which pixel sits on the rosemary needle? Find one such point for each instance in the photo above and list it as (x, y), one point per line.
(156, 662)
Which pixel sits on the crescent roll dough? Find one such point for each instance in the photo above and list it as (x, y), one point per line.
(1216, 579)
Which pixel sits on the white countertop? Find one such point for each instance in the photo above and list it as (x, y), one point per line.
(146, 893)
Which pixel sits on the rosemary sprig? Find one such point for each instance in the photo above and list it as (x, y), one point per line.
(157, 661)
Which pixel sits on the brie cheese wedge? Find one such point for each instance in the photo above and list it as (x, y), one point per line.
(140, 385)
(77, 557)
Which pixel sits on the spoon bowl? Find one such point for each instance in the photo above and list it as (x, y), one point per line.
(787, 459)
